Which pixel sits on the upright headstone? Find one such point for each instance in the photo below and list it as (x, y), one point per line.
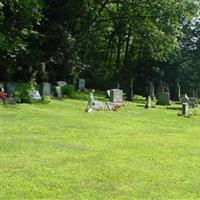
(185, 109)
(35, 95)
(163, 99)
(116, 95)
(10, 88)
(1, 85)
(148, 103)
(58, 91)
(81, 84)
(46, 89)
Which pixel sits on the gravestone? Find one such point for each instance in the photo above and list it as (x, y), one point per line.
(148, 102)
(185, 109)
(46, 89)
(35, 95)
(116, 95)
(191, 101)
(81, 84)
(163, 99)
(10, 88)
(1, 85)
(58, 91)
(11, 100)
(61, 83)
(108, 93)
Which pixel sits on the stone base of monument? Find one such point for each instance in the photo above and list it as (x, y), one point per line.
(163, 99)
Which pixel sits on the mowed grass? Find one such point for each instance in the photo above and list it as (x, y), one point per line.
(57, 151)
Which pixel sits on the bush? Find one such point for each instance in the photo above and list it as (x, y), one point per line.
(46, 100)
(24, 89)
(68, 90)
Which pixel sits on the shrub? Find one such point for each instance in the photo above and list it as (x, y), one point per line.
(23, 90)
(46, 100)
(68, 90)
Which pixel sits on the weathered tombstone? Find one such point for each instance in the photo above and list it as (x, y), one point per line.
(35, 95)
(46, 89)
(185, 109)
(163, 99)
(81, 84)
(116, 95)
(148, 103)
(61, 83)
(58, 91)
(10, 88)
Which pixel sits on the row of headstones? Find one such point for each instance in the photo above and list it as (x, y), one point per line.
(10, 88)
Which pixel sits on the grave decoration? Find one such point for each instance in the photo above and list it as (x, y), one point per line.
(3, 94)
(99, 105)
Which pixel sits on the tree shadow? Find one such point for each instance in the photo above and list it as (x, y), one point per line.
(173, 108)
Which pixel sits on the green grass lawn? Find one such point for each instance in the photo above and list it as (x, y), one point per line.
(57, 151)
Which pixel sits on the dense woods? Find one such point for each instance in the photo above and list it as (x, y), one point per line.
(111, 43)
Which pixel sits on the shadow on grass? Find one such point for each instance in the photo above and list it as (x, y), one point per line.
(143, 106)
(173, 108)
(141, 101)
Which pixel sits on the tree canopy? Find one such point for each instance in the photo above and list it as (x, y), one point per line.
(128, 43)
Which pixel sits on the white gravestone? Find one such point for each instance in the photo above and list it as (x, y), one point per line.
(58, 91)
(35, 95)
(46, 89)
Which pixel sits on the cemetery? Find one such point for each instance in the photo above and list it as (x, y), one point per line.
(99, 100)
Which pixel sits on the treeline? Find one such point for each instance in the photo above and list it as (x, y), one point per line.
(110, 43)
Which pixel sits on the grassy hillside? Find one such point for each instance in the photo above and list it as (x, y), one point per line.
(57, 151)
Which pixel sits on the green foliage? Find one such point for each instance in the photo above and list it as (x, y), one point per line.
(23, 90)
(46, 100)
(68, 90)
